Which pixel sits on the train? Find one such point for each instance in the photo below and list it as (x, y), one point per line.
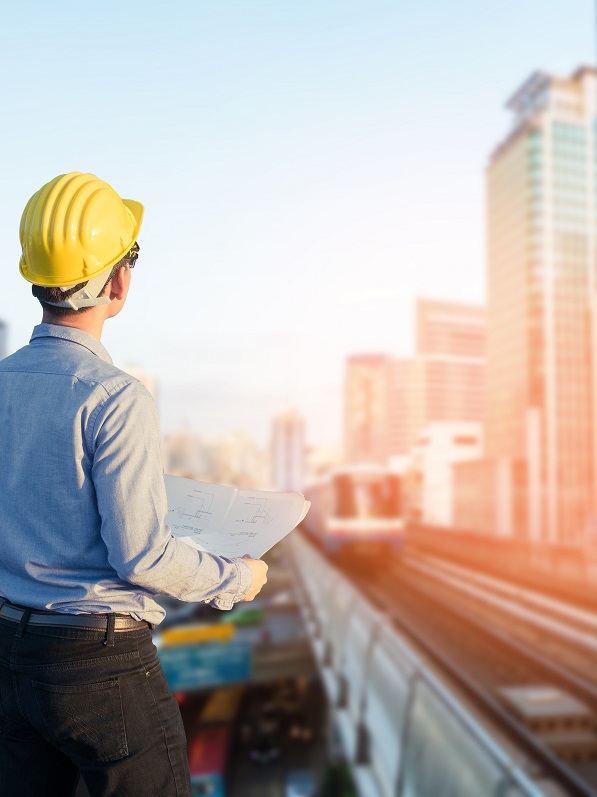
(357, 507)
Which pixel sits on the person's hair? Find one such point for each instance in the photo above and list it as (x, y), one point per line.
(45, 295)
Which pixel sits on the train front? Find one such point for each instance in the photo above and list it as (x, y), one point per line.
(364, 510)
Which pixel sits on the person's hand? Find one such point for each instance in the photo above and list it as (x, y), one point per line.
(259, 570)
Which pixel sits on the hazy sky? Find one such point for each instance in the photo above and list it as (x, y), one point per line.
(308, 168)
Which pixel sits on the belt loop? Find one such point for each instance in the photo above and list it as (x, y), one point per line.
(109, 640)
(23, 622)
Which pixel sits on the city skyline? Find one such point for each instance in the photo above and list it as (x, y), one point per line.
(389, 401)
(303, 175)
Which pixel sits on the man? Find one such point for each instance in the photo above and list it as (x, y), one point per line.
(85, 547)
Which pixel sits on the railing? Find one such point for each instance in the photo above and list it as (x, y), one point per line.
(403, 733)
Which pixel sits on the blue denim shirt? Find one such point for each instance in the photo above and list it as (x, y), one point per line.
(82, 497)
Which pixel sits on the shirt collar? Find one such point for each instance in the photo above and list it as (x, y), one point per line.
(74, 336)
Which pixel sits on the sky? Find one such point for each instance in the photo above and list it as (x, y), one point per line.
(308, 169)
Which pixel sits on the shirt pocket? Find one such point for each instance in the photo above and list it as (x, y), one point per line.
(85, 721)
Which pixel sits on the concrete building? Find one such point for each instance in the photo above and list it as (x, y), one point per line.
(389, 400)
(541, 221)
(430, 478)
(288, 451)
(406, 413)
(367, 408)
(445, 380)
(489, 496)
(384, 407)
(451, 354)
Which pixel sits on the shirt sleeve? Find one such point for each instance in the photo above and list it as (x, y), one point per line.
(131, 497)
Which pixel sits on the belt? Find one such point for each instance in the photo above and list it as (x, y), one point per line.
(90, 622)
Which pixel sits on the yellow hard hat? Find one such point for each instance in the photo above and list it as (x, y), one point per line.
(74, 228)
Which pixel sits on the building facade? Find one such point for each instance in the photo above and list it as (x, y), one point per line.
(367, 408)
(451, 355)
(406, 411)
(288, 451)
(389, 400)
(541, 297)
(440, 446)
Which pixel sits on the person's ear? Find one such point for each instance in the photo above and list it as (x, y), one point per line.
(119, 283)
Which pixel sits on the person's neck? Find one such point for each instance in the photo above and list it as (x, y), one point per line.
(91, 322)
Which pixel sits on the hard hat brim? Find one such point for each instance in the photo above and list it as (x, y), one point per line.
(137, 211)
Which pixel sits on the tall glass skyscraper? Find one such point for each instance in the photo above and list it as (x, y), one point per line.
(541, 219)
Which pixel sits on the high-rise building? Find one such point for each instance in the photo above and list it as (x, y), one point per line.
(431, 487)
(288, 451)
(406, 412)
(445, 380)
(389, 400)
(367, 408)
(3, 339)
(451, 355)
(541, 220)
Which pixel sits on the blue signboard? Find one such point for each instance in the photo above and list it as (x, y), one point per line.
(196, 666)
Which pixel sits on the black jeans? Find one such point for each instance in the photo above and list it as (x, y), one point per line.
(70, 704)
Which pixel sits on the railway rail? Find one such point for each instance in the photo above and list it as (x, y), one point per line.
(503, 673)
(567, 572)
(404, 729)
(563, 633)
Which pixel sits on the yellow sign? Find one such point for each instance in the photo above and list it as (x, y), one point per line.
(198, 633)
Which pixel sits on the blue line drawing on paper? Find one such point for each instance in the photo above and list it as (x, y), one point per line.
(253, 510)
(203, 511)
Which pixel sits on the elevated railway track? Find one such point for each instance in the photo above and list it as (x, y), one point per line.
(520, 659)
(567, 572)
